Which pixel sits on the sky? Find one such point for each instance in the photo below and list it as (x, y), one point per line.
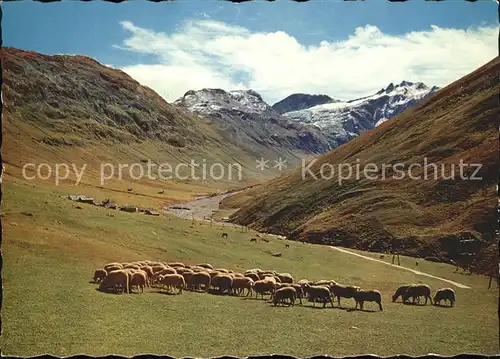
(342, 49)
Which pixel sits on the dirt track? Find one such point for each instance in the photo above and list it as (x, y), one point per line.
(404, 268)
(200, 209)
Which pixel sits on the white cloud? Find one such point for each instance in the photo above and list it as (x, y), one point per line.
(208, 53)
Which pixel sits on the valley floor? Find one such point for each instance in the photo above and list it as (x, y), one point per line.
(51, 248)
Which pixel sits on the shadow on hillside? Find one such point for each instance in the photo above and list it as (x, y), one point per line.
(109, 291)
(442, 305)
(253, 298)
(165, 292)
(416, 304)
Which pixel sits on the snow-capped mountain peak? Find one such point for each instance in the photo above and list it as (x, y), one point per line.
(209, 100)
(344, 120)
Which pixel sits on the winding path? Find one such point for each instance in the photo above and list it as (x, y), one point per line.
(404, 268)
(202, 208)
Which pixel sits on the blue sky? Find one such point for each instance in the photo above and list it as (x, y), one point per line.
(101, 30)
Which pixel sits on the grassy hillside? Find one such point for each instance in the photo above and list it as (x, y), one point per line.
(49, 306)
(426, 217)
(66, 109)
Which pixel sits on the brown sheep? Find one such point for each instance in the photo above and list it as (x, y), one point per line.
(149, 273)
(116, 280)
(187, 274)
(206, 265)
(99, 275)
(221, 270)
(139, 280)
(283, 294)
(158, 268)
(264, 274)
(254, 276)
(343, 291)
(300, 292)
(164, 271)
(223, 283)
(112, 268)
(318, 293)
(417, 290)
(131, 266)
(213, 273)
(176, 264)
(199, 279)
(112, 265)
(263, 287)
(444, 294)
(285, 277)
(240, 284)
(173, 281)
(399, 292)
(361, 296)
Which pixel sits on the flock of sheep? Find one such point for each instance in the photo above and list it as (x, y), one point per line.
(281, 287)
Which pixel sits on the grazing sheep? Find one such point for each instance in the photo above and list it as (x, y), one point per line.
(253, 270)
(205, 265)
(176, 264)
(444, 294)
(139, 280)
(238, 275)
(300, 292)
(158, 268)
(254, 276)
(131, 266)
(318, 293)
(149, 273)
(240, 284)
(276, 254)
(285, 277)
(417, 290)
(116, 280)
(213, 273)
(263, 274)
(343, 291)
(283, 294)
(263, 287)
(187, 274)
(163, 272)
(223, 283)
(221, 270)
(287, 246)
(253, 240)
(399, 292)
(361, 296)
(114, 264)
(182, 270)
(199, 279)
(99, 275)
(324, 282)
(113, 268)
(224, 235)
(173, 281)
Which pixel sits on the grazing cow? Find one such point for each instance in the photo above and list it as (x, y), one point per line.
(224, 235)
(253, 239)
